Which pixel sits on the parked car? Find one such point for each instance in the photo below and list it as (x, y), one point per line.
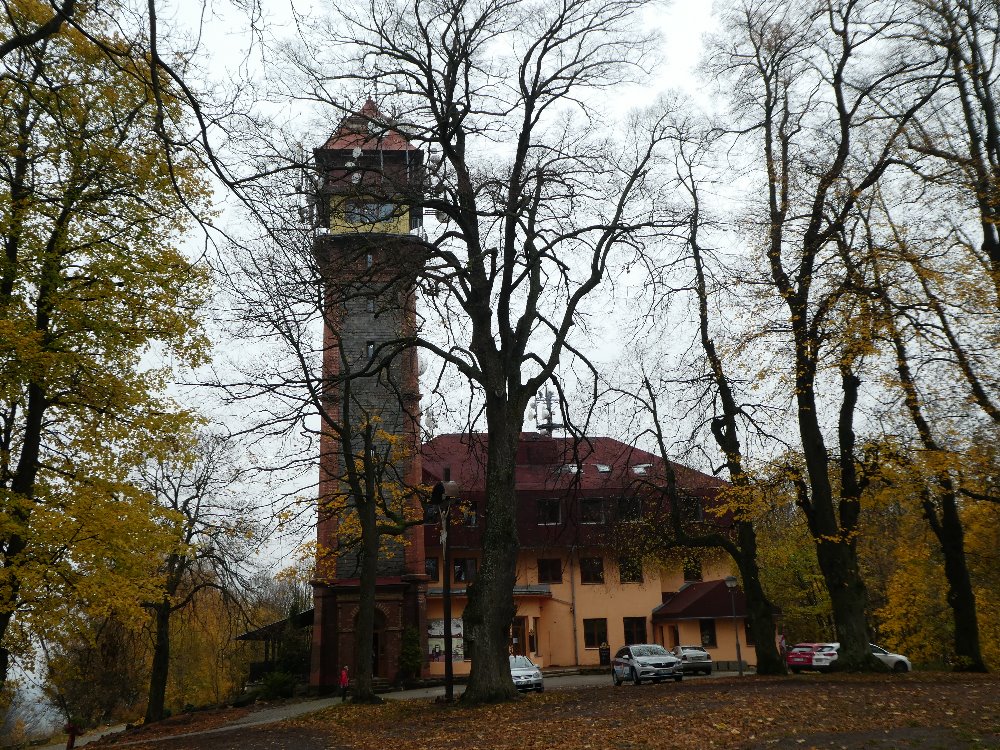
(895, 662)
(695, 659)
(526, 675)
(645, 661)
(801, 656)
(824, 656)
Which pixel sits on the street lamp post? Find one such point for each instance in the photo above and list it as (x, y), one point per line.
(443, 496)
(731, 585)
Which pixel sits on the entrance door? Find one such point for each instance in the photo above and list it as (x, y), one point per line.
(518, 636)
(378, 645)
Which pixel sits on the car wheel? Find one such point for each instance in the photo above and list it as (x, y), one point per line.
(541, 688)
(796, 670)
(615, 679)
(678, 678)
(900, 666)
(635, 677)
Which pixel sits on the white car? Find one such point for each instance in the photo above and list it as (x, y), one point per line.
(895, 662)
(525, 674)
(826, 654)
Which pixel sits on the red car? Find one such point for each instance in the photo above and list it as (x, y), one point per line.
(801, 656)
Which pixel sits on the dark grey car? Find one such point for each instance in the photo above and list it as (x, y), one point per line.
(645, 661)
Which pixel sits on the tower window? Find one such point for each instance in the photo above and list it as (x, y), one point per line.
(370, 303)
(367, 212)
(370, 349)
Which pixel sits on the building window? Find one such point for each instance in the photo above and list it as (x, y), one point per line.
(595, 632)
(592, 569)
(465, 569)
(747, 635)
(370, 349)
(370, 304)
(708, 633)
(629, 508)
(431, 568)
(549, 513)
(549, 571)
(630, 570)
(635, 630)
(431, 514)
(470, 513)
(367, 212)
(691, 509)
(592, 510)
(692, 569)
(368, 260)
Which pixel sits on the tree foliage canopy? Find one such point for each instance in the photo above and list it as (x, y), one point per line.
(94, 291)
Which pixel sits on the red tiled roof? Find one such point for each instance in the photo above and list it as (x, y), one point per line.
(355, 132)
(702, 600)
(545, 462)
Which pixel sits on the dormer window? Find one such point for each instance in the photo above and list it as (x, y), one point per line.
(641, 469)
(569, 469)
(603, 468)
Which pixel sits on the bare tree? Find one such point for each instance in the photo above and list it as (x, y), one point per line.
(824, 99)
(887, 269)
(538, 200)
(213, 519)
(961, 132)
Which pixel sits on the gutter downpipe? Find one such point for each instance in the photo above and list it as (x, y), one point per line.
(572, 605)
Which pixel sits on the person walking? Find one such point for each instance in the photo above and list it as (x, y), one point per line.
(345, 680)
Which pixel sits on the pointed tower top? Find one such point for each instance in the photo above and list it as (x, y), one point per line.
(368, 130)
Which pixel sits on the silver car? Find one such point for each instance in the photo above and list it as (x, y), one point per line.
(695, 658)
(645, 661)
(525, 674)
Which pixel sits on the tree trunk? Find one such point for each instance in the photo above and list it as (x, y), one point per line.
(364, 628)
(947, 527)
(838, 561)
(490, 607)
(161, 663)
(760, 613)
(835, 546)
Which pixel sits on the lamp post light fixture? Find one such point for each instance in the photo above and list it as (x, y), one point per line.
(443, 496)
(731, 583)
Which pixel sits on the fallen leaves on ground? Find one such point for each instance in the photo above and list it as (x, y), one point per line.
(852, 711)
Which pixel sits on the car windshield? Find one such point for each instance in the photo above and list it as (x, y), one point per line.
(649, 651)
(695, 649)
(521, 662)
(802, 649)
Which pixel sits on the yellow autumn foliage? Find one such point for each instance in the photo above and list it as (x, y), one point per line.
(94, 291)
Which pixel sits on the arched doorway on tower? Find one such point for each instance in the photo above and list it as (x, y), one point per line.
(379, 667)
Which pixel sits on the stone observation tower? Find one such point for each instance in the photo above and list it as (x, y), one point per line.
(368, 208)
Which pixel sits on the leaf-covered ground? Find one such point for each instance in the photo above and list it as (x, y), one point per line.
(842, 711)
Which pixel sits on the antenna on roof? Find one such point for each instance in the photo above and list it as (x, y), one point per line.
(544, 414)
